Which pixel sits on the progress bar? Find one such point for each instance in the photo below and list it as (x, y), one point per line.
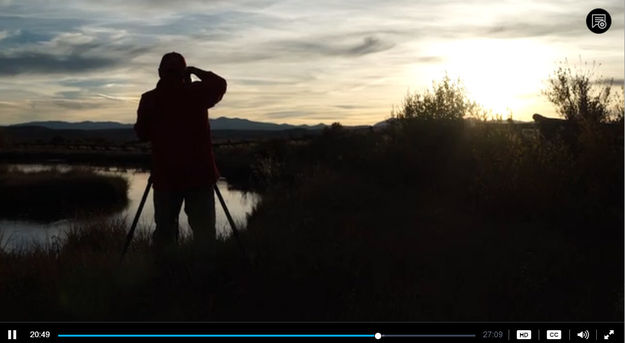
(376, 336)
(214, 336)
(433, 336)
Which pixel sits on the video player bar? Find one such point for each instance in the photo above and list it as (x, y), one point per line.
(313, 332)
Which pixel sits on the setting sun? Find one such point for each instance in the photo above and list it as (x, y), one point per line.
(501, 74)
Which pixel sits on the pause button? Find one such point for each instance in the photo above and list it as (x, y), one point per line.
(12, 334)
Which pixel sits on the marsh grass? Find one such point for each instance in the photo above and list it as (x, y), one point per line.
(55, 194)
(82, 278)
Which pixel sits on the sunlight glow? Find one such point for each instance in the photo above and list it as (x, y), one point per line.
(500, 74)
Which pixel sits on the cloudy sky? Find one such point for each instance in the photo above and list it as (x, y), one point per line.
(297, 61)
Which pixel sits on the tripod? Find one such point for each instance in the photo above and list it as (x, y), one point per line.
(131, 233)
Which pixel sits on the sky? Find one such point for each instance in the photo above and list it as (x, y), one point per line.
(294, 61)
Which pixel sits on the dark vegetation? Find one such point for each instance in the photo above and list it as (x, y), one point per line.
(235, 160)
(124, 139)
(234, 149)
(52, 194)
(439, 216)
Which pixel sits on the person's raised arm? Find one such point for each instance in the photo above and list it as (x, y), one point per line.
(142, 125)
(212, 87)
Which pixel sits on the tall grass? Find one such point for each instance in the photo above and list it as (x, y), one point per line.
(53, 194)
(81, 278)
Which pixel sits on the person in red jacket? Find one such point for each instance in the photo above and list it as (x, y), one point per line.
(174, 117)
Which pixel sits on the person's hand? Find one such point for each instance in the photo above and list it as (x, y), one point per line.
(201, 74)
(187, 74)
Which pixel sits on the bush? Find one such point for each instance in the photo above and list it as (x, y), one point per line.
(581, 96)
(447, 100)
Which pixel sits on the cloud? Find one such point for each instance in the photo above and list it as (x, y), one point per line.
(46, 63)
(556, 27)
(115, 98)
(302, 50)
(71, 52)
(329, 46)
(260, 82)
(563, 22)
(286, 114)
(77, 104)
(90, 82)
(71, 94)
(610, 82)
(368, 46)
(141, 6)
(348, 107)
(429, 59)
(9, 104)
(26, 28)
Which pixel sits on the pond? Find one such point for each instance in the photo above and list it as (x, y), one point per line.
(18, 235)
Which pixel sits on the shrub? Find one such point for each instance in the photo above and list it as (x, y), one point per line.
(447, 100)
(582, 96)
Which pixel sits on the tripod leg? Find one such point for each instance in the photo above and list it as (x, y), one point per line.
(136, 219)
(235, 232)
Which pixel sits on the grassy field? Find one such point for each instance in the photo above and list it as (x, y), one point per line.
(424, 220)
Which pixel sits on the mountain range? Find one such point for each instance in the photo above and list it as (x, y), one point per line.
(221, 123)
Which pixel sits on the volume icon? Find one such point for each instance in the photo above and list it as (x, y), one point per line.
(12, 334)
(583, 334)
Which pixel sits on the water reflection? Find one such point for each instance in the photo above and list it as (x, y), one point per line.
(22, 235)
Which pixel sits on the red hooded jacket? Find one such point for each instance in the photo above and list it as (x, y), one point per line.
(175, 119)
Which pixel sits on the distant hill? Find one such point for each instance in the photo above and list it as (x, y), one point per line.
(82, 125)
(221, 123)
(40, 134)
(224, 123)
(223, 129)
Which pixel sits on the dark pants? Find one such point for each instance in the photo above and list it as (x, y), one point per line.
(199, 205)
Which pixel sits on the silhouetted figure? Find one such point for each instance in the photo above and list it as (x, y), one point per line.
(174, 117)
